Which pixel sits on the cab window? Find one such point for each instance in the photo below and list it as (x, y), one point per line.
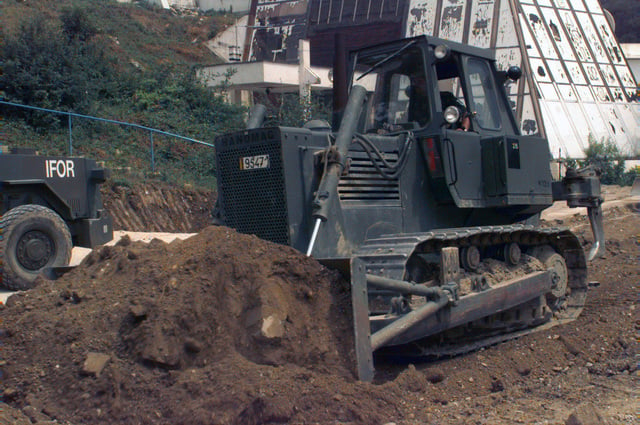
(452, 92)
(392, 105)
(484, 105)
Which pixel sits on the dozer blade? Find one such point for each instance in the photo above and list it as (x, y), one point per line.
(432, 317)
(441, 316)
(362, 330)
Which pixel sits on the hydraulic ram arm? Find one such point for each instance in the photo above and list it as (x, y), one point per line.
(581, 188)
(331, 177)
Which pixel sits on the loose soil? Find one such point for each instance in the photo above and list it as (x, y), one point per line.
(224, 328)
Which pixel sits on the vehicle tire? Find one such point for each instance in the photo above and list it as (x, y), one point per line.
(32, 237)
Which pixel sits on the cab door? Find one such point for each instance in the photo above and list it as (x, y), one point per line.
(462, 160)
(472, 91)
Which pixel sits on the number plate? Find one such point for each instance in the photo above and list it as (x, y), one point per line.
(254, 162)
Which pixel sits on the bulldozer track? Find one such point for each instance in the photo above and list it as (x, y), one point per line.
(391, 257)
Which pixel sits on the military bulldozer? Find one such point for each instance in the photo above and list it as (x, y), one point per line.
(427, 197)
(49, 204)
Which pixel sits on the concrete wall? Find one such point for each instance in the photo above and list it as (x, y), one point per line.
(229, 43)
(180, 4)
(238, 6)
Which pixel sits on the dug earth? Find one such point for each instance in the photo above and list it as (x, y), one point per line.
(225, 328)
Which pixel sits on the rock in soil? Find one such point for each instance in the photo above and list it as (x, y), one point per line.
(586, 414)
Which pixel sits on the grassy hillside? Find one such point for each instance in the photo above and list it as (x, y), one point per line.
(127, 62)
(136, 31)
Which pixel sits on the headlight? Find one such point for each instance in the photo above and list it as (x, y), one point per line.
(452, 114)
(441, 52)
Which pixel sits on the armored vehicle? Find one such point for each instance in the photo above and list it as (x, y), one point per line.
(49, 204)
(427, 197)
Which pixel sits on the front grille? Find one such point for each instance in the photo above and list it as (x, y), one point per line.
(365, 183)
(253, 201)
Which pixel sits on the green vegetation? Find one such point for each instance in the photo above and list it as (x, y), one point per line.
(287, 110)
(606, 157)
(56, 68)
(70, 62)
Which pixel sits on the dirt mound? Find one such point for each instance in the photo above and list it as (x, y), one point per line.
(167, 321)
(224, 328)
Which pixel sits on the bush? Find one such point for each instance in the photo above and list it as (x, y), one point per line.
(606, 157)
(77, 25)
(287, 110)
(55, 67)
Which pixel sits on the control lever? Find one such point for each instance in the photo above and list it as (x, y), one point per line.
(581, 188)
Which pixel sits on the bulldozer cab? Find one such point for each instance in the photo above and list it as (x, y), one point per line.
(452, 98)
(409, 91)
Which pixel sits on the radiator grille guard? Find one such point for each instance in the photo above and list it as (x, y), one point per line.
(365, 183)
(253, 198)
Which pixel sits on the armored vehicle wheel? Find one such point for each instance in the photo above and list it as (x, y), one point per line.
(32, 237)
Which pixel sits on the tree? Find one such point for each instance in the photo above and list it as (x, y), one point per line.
(77, 25)
(55, 68)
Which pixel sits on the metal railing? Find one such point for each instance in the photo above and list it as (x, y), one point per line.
(72, 115)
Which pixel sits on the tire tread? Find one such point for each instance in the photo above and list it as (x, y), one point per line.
(10, 279)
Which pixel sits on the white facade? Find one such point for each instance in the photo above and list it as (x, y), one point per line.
(577, 80)
(237, 6)
(632, 53)
(228, 44)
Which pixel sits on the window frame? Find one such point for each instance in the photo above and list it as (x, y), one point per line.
(490, 94)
